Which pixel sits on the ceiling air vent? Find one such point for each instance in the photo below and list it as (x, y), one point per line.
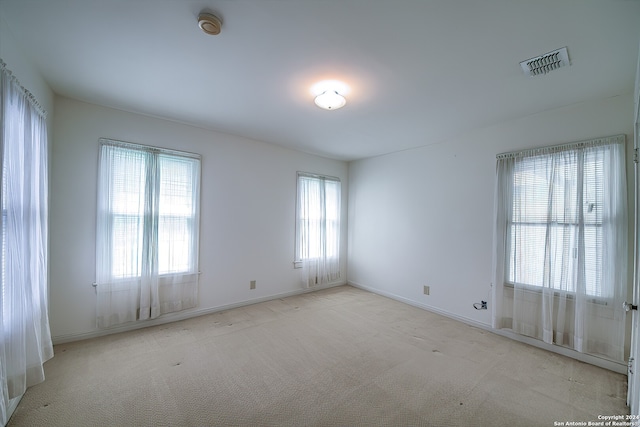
(545, 63)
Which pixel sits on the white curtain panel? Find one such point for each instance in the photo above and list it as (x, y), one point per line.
(25, 343)
(147, 232)
(561, 245)
(318, 229)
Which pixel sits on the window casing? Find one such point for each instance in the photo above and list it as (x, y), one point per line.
(558, 210)
(147, 233)
(160, 226)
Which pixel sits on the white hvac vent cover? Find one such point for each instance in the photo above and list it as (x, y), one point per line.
(545, 63)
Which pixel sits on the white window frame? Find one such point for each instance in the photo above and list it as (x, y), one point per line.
(192, 220)
(597, 294)
(333, 225)
(149, 289)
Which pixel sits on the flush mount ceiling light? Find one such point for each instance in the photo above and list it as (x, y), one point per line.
(209, 23)
(330, 100)
(329, 94)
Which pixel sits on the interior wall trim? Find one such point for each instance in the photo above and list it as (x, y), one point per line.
(183, 315)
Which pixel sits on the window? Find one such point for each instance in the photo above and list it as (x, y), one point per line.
(562, 257)
(148, 220)
(172, 218)
(318, 228)
(557, 211)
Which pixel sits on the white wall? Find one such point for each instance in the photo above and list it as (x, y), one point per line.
(425, 216)
(247, 210)
(21, 67)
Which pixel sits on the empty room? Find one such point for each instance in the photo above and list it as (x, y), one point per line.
(319, 213)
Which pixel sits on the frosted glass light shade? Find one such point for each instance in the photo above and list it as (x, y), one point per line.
(330, 100)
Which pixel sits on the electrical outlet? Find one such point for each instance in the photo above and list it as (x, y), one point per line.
(484, 305)
(252, 284)
(426, 290)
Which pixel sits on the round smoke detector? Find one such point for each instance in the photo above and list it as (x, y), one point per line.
(209, 23)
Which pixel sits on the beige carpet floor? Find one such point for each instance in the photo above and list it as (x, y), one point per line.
(336, 357)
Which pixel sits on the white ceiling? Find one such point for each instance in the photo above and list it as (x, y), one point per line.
(420, 71)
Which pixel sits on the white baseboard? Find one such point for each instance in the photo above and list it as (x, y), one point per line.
(432, 309)
(618, 367)
(183, 315)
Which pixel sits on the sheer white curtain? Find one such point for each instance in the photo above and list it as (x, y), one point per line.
(147, 232)
(25, 343)
(561, 245)
(318, 228)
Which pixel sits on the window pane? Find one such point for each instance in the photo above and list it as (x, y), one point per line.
(593, 260)
(127, 246)
(332, 189)
(128, 170)
(174, 245)
(176, 186)
(176, 214)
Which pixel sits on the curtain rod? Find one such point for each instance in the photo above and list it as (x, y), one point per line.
(133, 145)
(616, 139)
(314, 175)
(32, 99)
